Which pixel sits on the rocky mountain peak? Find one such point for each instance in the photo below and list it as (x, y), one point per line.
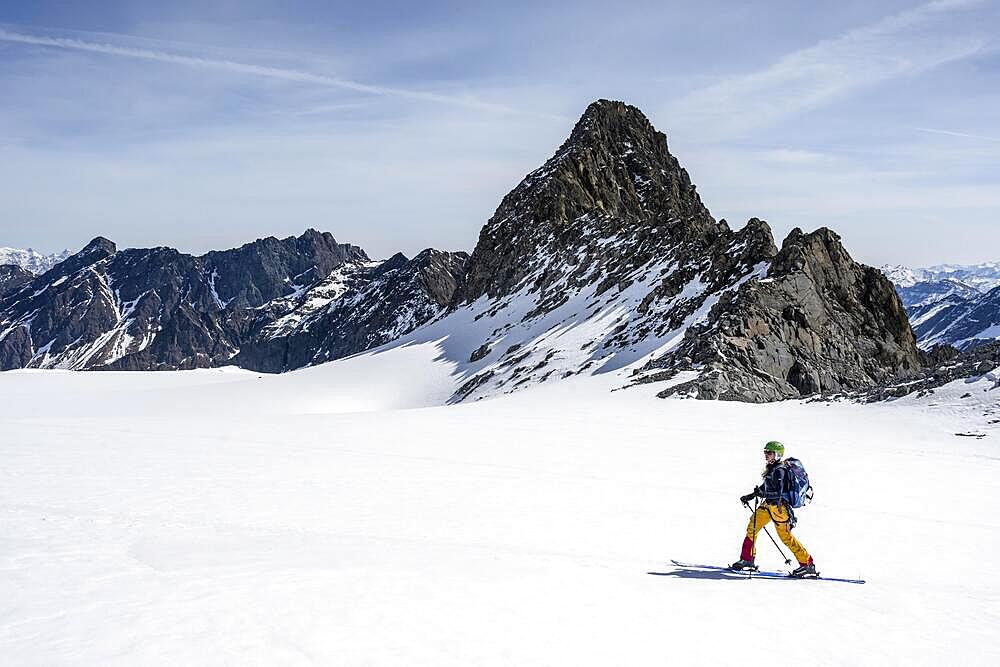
(397, 261)
(98, 249)
(820, 254)
(612, 181)
(614, 125)
(99, 245)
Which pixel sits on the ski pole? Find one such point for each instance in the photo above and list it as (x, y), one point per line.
(788, 561)
(753, 547)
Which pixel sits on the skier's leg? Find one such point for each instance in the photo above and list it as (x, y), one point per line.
(785, 533)
(757, 522)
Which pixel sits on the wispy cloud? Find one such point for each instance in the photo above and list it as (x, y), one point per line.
(284, 74)
(951, 133)
(904, 44)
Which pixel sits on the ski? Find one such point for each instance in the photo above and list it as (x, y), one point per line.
(767, 574)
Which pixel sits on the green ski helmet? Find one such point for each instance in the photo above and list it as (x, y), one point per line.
(776, 447)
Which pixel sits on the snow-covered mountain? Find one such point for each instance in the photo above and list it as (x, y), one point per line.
(31, 260)
(603, 259)
(929, 292)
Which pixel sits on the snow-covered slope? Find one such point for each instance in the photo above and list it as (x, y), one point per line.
(31, 260)
(214, 517)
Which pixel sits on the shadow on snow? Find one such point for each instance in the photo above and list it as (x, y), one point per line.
(717, 575)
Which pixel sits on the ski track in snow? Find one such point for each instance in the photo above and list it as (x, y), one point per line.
(342, 515)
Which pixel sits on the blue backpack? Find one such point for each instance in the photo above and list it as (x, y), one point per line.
(797, 492)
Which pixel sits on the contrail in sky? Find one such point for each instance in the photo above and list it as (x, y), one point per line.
(956, 134)
(284, 74)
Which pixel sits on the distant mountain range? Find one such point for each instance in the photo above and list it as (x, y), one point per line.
(604, 259)
(950, 304)
(31, 260)
(982, 277)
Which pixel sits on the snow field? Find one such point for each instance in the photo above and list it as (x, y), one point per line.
(218, 517)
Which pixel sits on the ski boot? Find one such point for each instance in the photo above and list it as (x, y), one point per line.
(807, 570)
(743, 566)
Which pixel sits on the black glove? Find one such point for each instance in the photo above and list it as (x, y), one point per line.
(747, 498)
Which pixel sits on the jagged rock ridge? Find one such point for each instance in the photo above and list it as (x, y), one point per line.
(153, 309)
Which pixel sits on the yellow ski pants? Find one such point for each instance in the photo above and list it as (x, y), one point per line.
(777, 513)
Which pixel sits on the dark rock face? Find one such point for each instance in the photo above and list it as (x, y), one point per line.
(12, 277)
(259, 272)
(364, 306)
(818, 323)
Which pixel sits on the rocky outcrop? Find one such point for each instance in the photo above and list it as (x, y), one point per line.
(819, 322)
(942, 364)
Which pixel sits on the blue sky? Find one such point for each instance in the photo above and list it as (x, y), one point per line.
(399, 126)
